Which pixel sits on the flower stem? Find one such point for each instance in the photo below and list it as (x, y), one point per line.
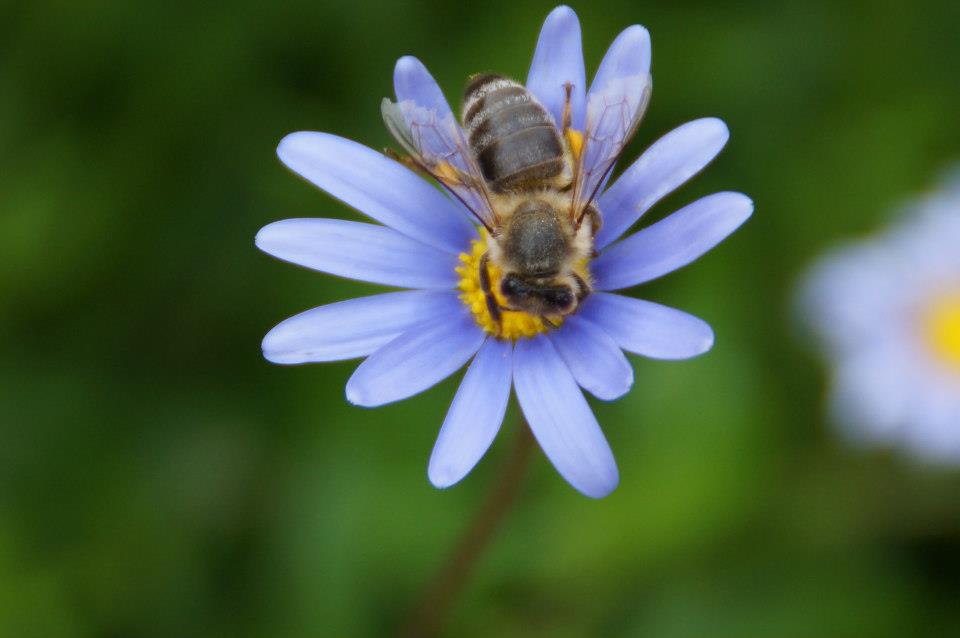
(441, 592)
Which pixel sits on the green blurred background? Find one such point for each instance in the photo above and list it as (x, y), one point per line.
(158, 478)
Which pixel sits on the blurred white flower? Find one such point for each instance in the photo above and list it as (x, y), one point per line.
(887, 313)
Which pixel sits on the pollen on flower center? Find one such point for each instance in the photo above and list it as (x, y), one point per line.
(513, 324)
(941, 325)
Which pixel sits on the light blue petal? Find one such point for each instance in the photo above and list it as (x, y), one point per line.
(672, 242)
(416, 360)
(379, 187)
(475, 415)
(355, 327)
(628, 56)
(594, 359)
(359, 251)
(647, 328)
(619, 94)
(558, 59)
(671, 161)
(561, 419)
(412, 81)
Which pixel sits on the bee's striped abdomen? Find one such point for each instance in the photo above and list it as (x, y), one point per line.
(513, 137)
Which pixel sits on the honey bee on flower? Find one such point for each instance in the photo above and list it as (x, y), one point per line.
(512, 266)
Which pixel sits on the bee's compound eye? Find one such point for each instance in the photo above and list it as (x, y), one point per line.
(511, 286)
(560, 298)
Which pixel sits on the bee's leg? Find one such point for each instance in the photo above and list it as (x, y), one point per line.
(492, 306)
(567, 117)
(550, 322)
(407, 161)
(596, 223)
(583, 288)
(596, 219)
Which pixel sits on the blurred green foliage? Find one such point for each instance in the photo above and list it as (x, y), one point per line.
(158, 478)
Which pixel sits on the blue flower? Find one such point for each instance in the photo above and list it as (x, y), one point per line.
(426, 242)
(886, 312)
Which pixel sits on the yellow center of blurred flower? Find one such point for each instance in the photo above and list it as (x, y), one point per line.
(513, 324)
(942, 328)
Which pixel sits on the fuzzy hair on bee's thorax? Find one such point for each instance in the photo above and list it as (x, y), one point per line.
(537, 238)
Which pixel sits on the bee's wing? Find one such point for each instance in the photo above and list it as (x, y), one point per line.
(613, 114)
(437, 145)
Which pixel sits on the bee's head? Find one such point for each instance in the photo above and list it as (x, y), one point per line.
(537, 297)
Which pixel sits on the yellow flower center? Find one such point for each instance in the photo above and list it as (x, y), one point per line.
(514, 324)
(941, 325)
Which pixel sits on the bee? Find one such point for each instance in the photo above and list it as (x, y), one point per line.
(529, 180)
